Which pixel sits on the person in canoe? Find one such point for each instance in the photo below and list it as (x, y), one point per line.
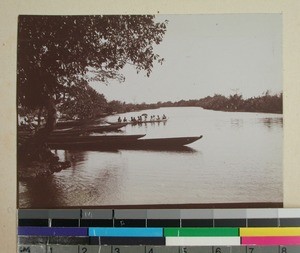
(164, 116)
(157, 118)
(119, 120)
(125, 120)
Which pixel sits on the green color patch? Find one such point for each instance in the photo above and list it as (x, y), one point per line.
(201, 232)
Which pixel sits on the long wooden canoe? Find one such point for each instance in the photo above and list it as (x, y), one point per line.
(159, 143)
(76, 123)
(137, 122)
(89, 129)
(92, 139)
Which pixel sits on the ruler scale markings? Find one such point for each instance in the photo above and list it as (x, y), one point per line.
(221, 249)
(162, 249)
(259, 249)
(289, 249)
(32, 248)
(128, 249)
(268, 226)
(94, 249)
(194, 249)
(62, 248)
(238, 249)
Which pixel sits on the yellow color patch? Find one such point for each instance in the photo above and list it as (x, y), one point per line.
(270, 231)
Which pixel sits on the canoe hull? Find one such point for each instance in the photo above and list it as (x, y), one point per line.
(137, 122)
(162, 143)
(92, 139)
(91, 129)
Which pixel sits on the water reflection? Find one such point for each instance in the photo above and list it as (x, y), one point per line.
(43, 193)
(237, 123)
(238, 152)
(271, 122)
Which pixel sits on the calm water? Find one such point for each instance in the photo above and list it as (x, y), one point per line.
(239, 159)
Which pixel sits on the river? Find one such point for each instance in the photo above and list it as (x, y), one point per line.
(239, 159)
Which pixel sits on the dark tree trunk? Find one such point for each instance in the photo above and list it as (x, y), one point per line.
(35, 159)
(51, 116)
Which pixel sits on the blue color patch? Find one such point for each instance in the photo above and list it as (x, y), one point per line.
(126, 232)
(53, 231)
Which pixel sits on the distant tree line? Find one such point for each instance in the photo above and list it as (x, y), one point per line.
(83, 102)
(235, 103)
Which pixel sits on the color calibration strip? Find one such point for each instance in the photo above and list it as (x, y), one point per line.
(160, 230)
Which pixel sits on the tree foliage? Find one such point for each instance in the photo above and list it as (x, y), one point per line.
(57, 52)
(82, 102)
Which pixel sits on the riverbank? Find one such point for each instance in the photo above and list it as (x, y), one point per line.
(234, 103)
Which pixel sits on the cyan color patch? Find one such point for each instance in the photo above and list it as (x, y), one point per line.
(126, 232)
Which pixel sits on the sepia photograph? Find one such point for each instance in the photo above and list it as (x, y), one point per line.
(150, 110)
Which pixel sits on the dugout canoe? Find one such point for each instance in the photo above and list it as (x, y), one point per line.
(89, 129)
(137, 122)
(76, 123)
(92, 139)
(159, 143)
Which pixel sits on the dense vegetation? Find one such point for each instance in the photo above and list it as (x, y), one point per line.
(266, 103)
(58, 55)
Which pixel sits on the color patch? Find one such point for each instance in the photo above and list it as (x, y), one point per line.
(44, 231)
(126, 232)
(202, 241)
(270, 240)
(269, 231)
(201, 232)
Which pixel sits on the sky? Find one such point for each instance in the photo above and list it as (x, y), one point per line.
(206, 55)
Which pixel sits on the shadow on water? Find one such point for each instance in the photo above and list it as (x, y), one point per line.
(43, 193)
(79, 154)
(181, 149)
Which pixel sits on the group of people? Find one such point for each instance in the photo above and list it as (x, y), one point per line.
(141, 119)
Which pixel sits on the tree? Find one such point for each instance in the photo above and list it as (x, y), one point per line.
(82, 102)
(58, 52)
